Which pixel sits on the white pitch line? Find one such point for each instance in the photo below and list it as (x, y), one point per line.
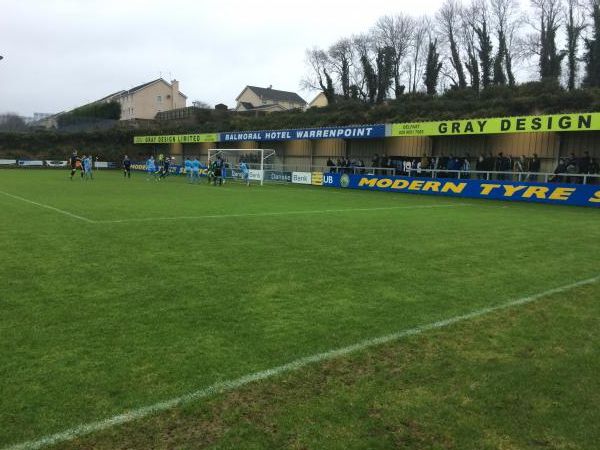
(229, 385)
(67, 213)
(282, 213)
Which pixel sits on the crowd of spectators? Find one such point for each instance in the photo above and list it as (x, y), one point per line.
(568, 168)
(345, 165)
(520, 168)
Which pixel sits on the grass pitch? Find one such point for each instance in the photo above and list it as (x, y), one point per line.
(116, 294)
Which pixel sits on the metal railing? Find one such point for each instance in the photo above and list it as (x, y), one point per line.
(491, 175)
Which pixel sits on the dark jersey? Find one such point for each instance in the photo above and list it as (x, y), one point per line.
(127, 164)
(73, 161)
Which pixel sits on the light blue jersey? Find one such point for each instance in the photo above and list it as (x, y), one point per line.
(245, 172)
(188, 165)
(150, 166)
(195, 165)
(87, 164)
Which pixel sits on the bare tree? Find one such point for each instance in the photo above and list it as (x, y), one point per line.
(469, 39)
(507, 21)
(421, 36)
(364, 56)
(319, 77)
(449, 20)
(395, 33)
(341, 60)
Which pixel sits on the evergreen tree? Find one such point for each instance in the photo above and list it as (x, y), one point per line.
(329, 90)
(385, 71)
(370, 78)
(592, 54)
(432, 68)
(499, 75)
(485, 53)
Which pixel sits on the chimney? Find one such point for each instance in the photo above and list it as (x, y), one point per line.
(270, 86)
(174, 93)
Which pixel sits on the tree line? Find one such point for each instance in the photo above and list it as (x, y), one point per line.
(472, 46)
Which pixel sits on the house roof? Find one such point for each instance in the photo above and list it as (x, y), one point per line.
(274, 94)
(142, 86)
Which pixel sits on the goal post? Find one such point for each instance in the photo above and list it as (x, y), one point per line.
(255, 158)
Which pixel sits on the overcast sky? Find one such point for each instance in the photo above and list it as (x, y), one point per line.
(59, 54)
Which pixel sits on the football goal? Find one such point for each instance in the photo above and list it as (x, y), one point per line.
(257, 160)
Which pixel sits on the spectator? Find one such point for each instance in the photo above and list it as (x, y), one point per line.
(533, 167)
(560, 169)
(572, 160)
(500, 166)
(361, 165)
(424, 162)
(375, 163)
(413, 167)
(489, 163)
(572, 169)
(480, 166)
(584, 163)
(594, 169)
(330, 165)
(466, 168)
(456, 165)
(519, 167)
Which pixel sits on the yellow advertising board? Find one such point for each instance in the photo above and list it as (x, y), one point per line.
(499, 125)
(317, 179)
(177, 139)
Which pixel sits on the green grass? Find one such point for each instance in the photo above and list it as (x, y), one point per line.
(97, 318)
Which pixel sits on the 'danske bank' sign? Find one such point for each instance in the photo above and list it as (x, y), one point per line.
(523, 124)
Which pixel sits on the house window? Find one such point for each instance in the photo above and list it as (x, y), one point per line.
(159, 98)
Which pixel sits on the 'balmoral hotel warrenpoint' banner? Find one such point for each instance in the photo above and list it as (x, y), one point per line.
(499, 125)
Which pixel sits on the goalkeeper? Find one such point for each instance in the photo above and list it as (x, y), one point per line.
(245, 172)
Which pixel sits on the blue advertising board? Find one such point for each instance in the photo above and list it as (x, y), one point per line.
(555, 193)
(353, 132)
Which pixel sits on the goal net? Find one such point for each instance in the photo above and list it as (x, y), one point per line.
(257, 159)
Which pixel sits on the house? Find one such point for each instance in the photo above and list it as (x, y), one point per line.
(254, 98)
(140, 102)
(50, 121)
(321, 101)
(148, 99)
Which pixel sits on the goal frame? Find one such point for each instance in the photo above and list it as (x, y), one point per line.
(264, 154)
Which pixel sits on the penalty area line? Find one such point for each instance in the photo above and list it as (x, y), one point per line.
(282, 213)
(236, 383)
(52, 208)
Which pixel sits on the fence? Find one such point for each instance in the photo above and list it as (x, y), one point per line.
(546, 177)
(490, 175)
